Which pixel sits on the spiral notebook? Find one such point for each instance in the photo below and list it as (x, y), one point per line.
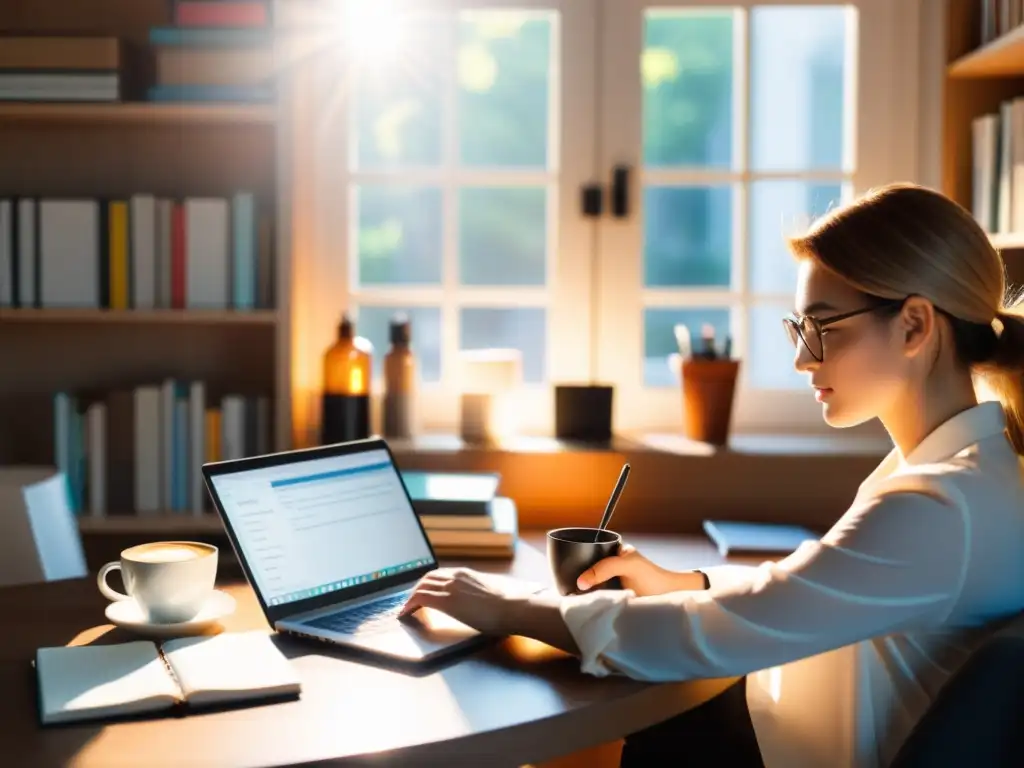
(92, 682)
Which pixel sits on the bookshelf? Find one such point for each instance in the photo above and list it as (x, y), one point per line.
(979, 77)
(141, 316)
(1002, 57)
(141, 114)
(114, 151)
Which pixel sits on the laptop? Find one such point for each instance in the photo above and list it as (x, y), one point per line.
(332, 547)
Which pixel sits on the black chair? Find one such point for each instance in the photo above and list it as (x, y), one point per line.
(978, 717)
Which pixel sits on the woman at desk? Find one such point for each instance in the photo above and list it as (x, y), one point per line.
(900, 311)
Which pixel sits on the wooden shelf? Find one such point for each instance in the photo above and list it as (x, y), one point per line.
(1008, 240)
(128, 316)
(141, 113)
(1003, 57)
(163, 523)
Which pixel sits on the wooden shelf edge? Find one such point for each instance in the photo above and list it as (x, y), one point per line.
(164, 522)
(127, 316)
(1002, 57)
(140, 112)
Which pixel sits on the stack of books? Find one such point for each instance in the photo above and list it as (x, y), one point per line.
(216, 50)
(48, 68)
(463, 514)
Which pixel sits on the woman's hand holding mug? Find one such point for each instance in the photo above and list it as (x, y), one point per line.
(639, 574)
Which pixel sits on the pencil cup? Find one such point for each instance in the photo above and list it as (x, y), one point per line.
(709, 387)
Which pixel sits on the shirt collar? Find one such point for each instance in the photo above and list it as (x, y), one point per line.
(964, 429)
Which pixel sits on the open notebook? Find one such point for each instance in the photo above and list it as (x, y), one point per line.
(103, 681)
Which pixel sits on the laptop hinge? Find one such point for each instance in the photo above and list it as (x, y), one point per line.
(344, 604)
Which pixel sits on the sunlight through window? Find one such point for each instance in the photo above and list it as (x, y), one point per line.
(373, 31)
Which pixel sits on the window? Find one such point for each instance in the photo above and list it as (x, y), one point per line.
(739, 123)
(464, 128)
(467, 130)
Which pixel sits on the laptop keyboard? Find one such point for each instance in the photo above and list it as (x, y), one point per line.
(370, 617)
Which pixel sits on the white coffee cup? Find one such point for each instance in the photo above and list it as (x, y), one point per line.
(169, 580)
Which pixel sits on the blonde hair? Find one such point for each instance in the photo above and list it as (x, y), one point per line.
(903, 239)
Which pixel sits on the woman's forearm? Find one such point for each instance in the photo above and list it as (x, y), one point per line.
(539, 617)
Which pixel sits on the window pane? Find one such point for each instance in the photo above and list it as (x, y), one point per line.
(373, 324)
(781, 209)
(687, 72)
(798, 87)
(770, 353)
(504, 73)
(399, 235)
(687, 236)
(502, 235)
(522, 329)
(660, 339)
(398, 91)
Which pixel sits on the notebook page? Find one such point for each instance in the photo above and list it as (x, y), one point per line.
(95, 681)
(232, 666)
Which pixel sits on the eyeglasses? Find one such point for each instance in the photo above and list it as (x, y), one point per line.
(807, 328)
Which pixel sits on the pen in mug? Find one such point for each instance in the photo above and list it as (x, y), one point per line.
(683, 340)
(707, 338)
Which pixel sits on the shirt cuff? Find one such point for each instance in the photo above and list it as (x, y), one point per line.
(729, 575)
(590, 619)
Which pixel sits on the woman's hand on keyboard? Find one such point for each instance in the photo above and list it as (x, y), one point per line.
(465, 595)
(491, 606)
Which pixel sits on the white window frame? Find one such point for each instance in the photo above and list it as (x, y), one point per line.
(571, 237)
(880, 114)
(594, 330)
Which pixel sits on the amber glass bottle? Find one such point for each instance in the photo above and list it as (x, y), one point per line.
(346, 394)
(399, 380)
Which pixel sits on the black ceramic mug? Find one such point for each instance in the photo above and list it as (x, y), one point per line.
(571, 551)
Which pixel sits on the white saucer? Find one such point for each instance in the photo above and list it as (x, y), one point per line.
(127, 615)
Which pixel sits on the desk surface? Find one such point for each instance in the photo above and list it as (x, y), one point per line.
(518, 702)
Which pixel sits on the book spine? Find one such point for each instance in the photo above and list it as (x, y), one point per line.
(214, 37)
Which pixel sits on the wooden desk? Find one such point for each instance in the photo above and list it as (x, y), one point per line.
(517, 703)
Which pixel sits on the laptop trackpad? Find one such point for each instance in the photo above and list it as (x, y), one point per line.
(419, 635)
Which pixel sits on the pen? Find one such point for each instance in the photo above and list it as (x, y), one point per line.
(707, 337)
(683, 340)
(613, 500)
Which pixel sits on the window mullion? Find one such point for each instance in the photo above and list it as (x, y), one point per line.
(450, 327)
(741, 191)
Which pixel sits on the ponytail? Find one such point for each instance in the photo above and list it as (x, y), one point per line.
(1003, 375)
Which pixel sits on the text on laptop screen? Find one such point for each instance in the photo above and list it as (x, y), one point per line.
(316, 526)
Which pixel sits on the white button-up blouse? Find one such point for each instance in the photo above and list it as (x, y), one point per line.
(847, 640)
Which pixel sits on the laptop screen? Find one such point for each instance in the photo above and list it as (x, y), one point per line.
(315, 526)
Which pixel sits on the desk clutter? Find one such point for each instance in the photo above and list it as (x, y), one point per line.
(94, 682)
(463, 514)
